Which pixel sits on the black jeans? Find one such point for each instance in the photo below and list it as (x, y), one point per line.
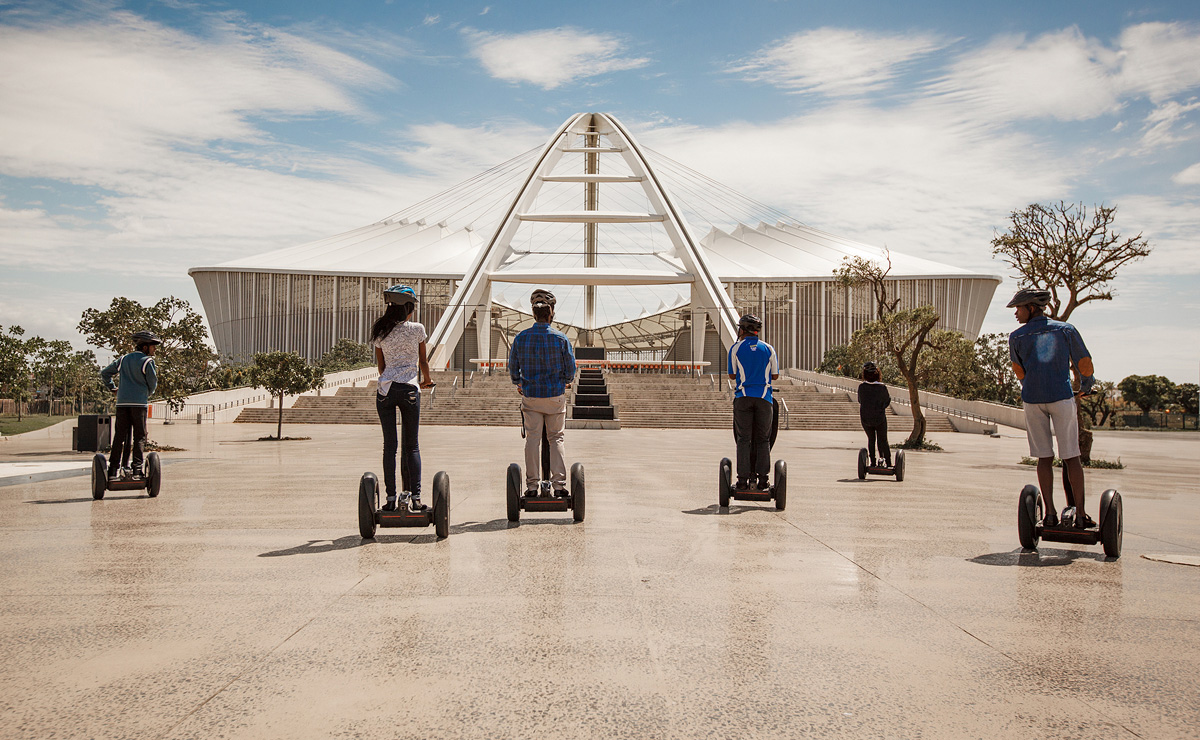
(752, 419)
(128, 418)
(878, 433)
(407, 398)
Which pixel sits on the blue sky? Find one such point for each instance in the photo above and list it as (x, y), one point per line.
(140, 139)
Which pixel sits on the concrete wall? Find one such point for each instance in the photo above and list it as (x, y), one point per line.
(1010, 416)
(225, 405)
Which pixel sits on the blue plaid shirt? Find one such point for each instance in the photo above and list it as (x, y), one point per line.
(542, 362)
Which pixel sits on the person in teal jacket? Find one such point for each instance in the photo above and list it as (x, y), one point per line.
(136, 380)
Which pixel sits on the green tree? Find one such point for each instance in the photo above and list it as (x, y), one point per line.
(843, 359)
(182, 359)
(82, 380)
(49, 362)
(347, 354)
(1147, 392)
(997, 382)
(1185, 396)
(1099, 404)
(902, 333)
(1060, 248)
(229, 375)
(284, 373)
(16, 366)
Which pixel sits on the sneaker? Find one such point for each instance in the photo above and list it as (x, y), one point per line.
(1050, 520)
(531, 493)
(742, 485)
(560, 493)
(391, 504)
(764, 485)
(136, 473)
(414, 503)
(1083, 521)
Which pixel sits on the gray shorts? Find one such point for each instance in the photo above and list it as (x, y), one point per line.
(1038, 417)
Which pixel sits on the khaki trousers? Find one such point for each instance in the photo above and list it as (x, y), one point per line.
(550, 413)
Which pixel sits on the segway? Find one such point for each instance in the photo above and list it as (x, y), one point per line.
(866, 466)
(150, 481)
(371, 516)
(1109, 531)
(727, 490)
(544, 497)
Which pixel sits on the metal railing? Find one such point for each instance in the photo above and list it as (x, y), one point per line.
(787, 414)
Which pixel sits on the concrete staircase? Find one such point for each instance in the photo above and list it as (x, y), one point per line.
(646, 401)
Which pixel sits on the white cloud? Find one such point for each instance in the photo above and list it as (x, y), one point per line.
(1160, 59)
(1059, 75)
(836, 61)
(911, 179)
(550, 58)
(1161, 123)
(431, 20)
(1189, 176)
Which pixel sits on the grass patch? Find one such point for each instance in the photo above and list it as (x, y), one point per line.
(152, 446)
(924, 446)
(282, 439)
(9, 424)
(1093, 463)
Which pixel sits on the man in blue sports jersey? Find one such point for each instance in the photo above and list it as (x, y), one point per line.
(753, 364)
(542, 366)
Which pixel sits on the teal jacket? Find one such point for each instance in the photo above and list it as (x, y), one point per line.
(138, 378)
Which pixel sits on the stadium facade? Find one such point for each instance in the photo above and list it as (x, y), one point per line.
(649, 259)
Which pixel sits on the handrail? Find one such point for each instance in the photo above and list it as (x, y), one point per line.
(908, 402)
(787, 415)
(454, 387)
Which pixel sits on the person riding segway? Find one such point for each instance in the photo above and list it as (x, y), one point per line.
(541, 364)
(873, 402)
(136, 379)
(753, 364)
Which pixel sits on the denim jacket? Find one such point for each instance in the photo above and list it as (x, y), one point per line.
(1046, 349)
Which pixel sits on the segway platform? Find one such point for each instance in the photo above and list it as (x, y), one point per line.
(544, 498)
(371, 516)
(865, 466)
(728, 491)
(150, 482)
(1109, 531)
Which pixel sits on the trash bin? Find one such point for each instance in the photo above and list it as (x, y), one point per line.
(94, 433)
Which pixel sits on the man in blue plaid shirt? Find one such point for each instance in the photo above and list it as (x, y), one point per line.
(542, 366)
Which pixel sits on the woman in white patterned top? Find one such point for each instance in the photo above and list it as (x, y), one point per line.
(400, 355)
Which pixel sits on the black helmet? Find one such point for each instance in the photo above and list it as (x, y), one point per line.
(750, 323)
(145, 337)
(542, 298)
(1030, 297)
(869, 367)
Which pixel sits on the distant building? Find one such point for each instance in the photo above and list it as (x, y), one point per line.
(648, 258)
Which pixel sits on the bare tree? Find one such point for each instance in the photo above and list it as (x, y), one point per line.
(1060, 248)
(900, 332)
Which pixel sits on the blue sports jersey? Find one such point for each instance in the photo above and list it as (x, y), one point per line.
(752, 362)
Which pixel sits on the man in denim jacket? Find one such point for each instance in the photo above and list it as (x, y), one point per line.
(1043, 351)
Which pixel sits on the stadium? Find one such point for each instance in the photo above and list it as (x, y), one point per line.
(651, 261)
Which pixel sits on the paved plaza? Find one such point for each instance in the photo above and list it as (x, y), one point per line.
(242, 602)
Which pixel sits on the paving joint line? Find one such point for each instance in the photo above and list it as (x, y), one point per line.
(257, 663)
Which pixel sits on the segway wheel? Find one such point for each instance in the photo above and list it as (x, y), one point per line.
(724, 481)
(99, 476)
(514, 492)
(441, 504)
(578, 497)
(1029, 513)
(899, 465)
(1112, 523)
(153, 474)
(780, 485)
(368, 496)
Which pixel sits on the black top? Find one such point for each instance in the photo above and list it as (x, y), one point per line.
(873, 400)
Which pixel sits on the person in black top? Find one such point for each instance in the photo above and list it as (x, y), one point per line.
(873, 401)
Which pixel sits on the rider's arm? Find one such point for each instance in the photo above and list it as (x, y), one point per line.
(107, 374)
(1017, 368)
(423, 360)
(150, 371)
(379, 361)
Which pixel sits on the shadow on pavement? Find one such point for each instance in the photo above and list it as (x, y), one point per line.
(1043, 558)
(86, 500)
(419, 536)
(715, 509)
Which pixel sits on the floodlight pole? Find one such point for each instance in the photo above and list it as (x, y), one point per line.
(591, 200)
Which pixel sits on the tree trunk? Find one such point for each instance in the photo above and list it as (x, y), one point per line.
(917, 437)
(279, 427)
(1085, 433)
